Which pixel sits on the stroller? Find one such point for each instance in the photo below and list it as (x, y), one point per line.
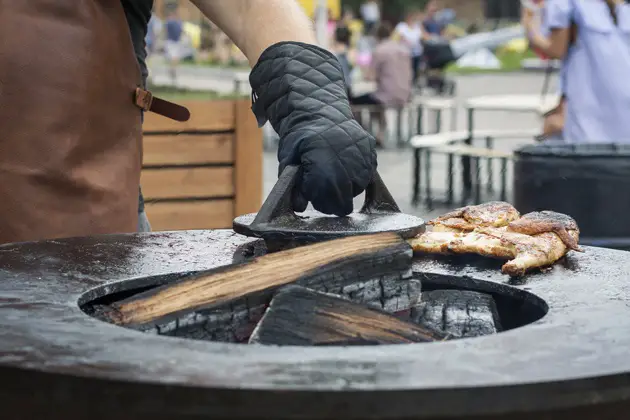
(436, 57)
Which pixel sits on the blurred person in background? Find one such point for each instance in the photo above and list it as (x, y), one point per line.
(154, 33)
(370, 14)
(431, 24)
(173, 46)
(411, 33)
(341, 49)
(533, 17)
(592, 39)
(331, 26)
(392, 73)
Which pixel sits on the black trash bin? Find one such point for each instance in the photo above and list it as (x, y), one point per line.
(590, 182)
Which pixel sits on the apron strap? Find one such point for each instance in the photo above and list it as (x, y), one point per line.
(145, 100)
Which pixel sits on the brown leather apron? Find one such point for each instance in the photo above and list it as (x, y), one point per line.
(70, 133)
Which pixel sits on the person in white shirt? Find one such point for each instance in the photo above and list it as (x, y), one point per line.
(411, 33)
(371, 15)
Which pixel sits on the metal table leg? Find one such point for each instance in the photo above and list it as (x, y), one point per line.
(438, 121)
(417, 156)
(399, 140)
(449, 179)
(466, 169)
(490, 145)
(504, 179)
(427, 175)
(477, 180)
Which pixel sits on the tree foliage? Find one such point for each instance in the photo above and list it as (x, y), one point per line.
(391, 9)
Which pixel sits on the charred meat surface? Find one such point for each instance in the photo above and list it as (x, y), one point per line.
(534, 241)
(529, 252)
(536, 223)
(491, 214)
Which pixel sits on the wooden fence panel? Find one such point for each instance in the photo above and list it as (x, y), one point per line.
(203, 173)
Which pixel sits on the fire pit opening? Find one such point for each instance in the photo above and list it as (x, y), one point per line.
(424, 308)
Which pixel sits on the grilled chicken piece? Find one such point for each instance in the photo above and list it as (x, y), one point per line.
(466, 219)
(461, 243)
(530, 252)
(480, 243)
(524, 252)
(548, 221)
(434, 242)
(536, 240)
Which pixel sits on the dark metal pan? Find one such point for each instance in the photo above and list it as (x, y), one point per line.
(282, 228)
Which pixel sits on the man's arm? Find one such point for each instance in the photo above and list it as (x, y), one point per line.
(255, 25)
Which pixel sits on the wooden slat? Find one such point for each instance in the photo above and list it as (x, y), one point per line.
(248, 153)
(191, 215)
(188, 149)
(187, 182)
(204, 115)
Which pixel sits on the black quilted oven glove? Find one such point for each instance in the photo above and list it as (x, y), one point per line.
(300, 89)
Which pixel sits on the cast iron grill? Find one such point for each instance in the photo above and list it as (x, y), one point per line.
(571, 364)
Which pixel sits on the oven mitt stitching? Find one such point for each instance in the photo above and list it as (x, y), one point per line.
(300, 89)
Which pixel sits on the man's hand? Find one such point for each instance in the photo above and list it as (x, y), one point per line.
(299, 88)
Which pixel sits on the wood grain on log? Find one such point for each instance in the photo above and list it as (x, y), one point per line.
(301, 317)
(460, 313)
(235, 321)
(333, 264)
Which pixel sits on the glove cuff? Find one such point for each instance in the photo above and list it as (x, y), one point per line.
(289, 72)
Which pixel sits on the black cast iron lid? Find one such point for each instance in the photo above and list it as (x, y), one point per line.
(276, 221)
(54, 356)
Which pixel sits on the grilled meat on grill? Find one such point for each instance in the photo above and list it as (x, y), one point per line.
(466, 219)
(548, 221)
(529, 252)
(536, 240)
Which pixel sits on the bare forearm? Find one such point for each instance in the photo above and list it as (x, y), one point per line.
(539, 42)
(254, 25)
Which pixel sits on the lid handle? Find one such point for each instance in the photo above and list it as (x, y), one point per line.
(279, 204)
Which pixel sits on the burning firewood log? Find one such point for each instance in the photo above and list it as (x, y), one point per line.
(301, 317)
(346, 261)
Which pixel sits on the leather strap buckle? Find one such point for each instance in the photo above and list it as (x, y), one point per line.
(144, 99)
(147, 102)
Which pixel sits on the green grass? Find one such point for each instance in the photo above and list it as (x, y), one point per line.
(178, 94)
(510, 61)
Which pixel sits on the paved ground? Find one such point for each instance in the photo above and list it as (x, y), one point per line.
(395, 165)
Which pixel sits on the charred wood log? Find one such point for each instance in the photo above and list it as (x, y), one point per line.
(327, 266)
(301, 317)
(459, 313)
